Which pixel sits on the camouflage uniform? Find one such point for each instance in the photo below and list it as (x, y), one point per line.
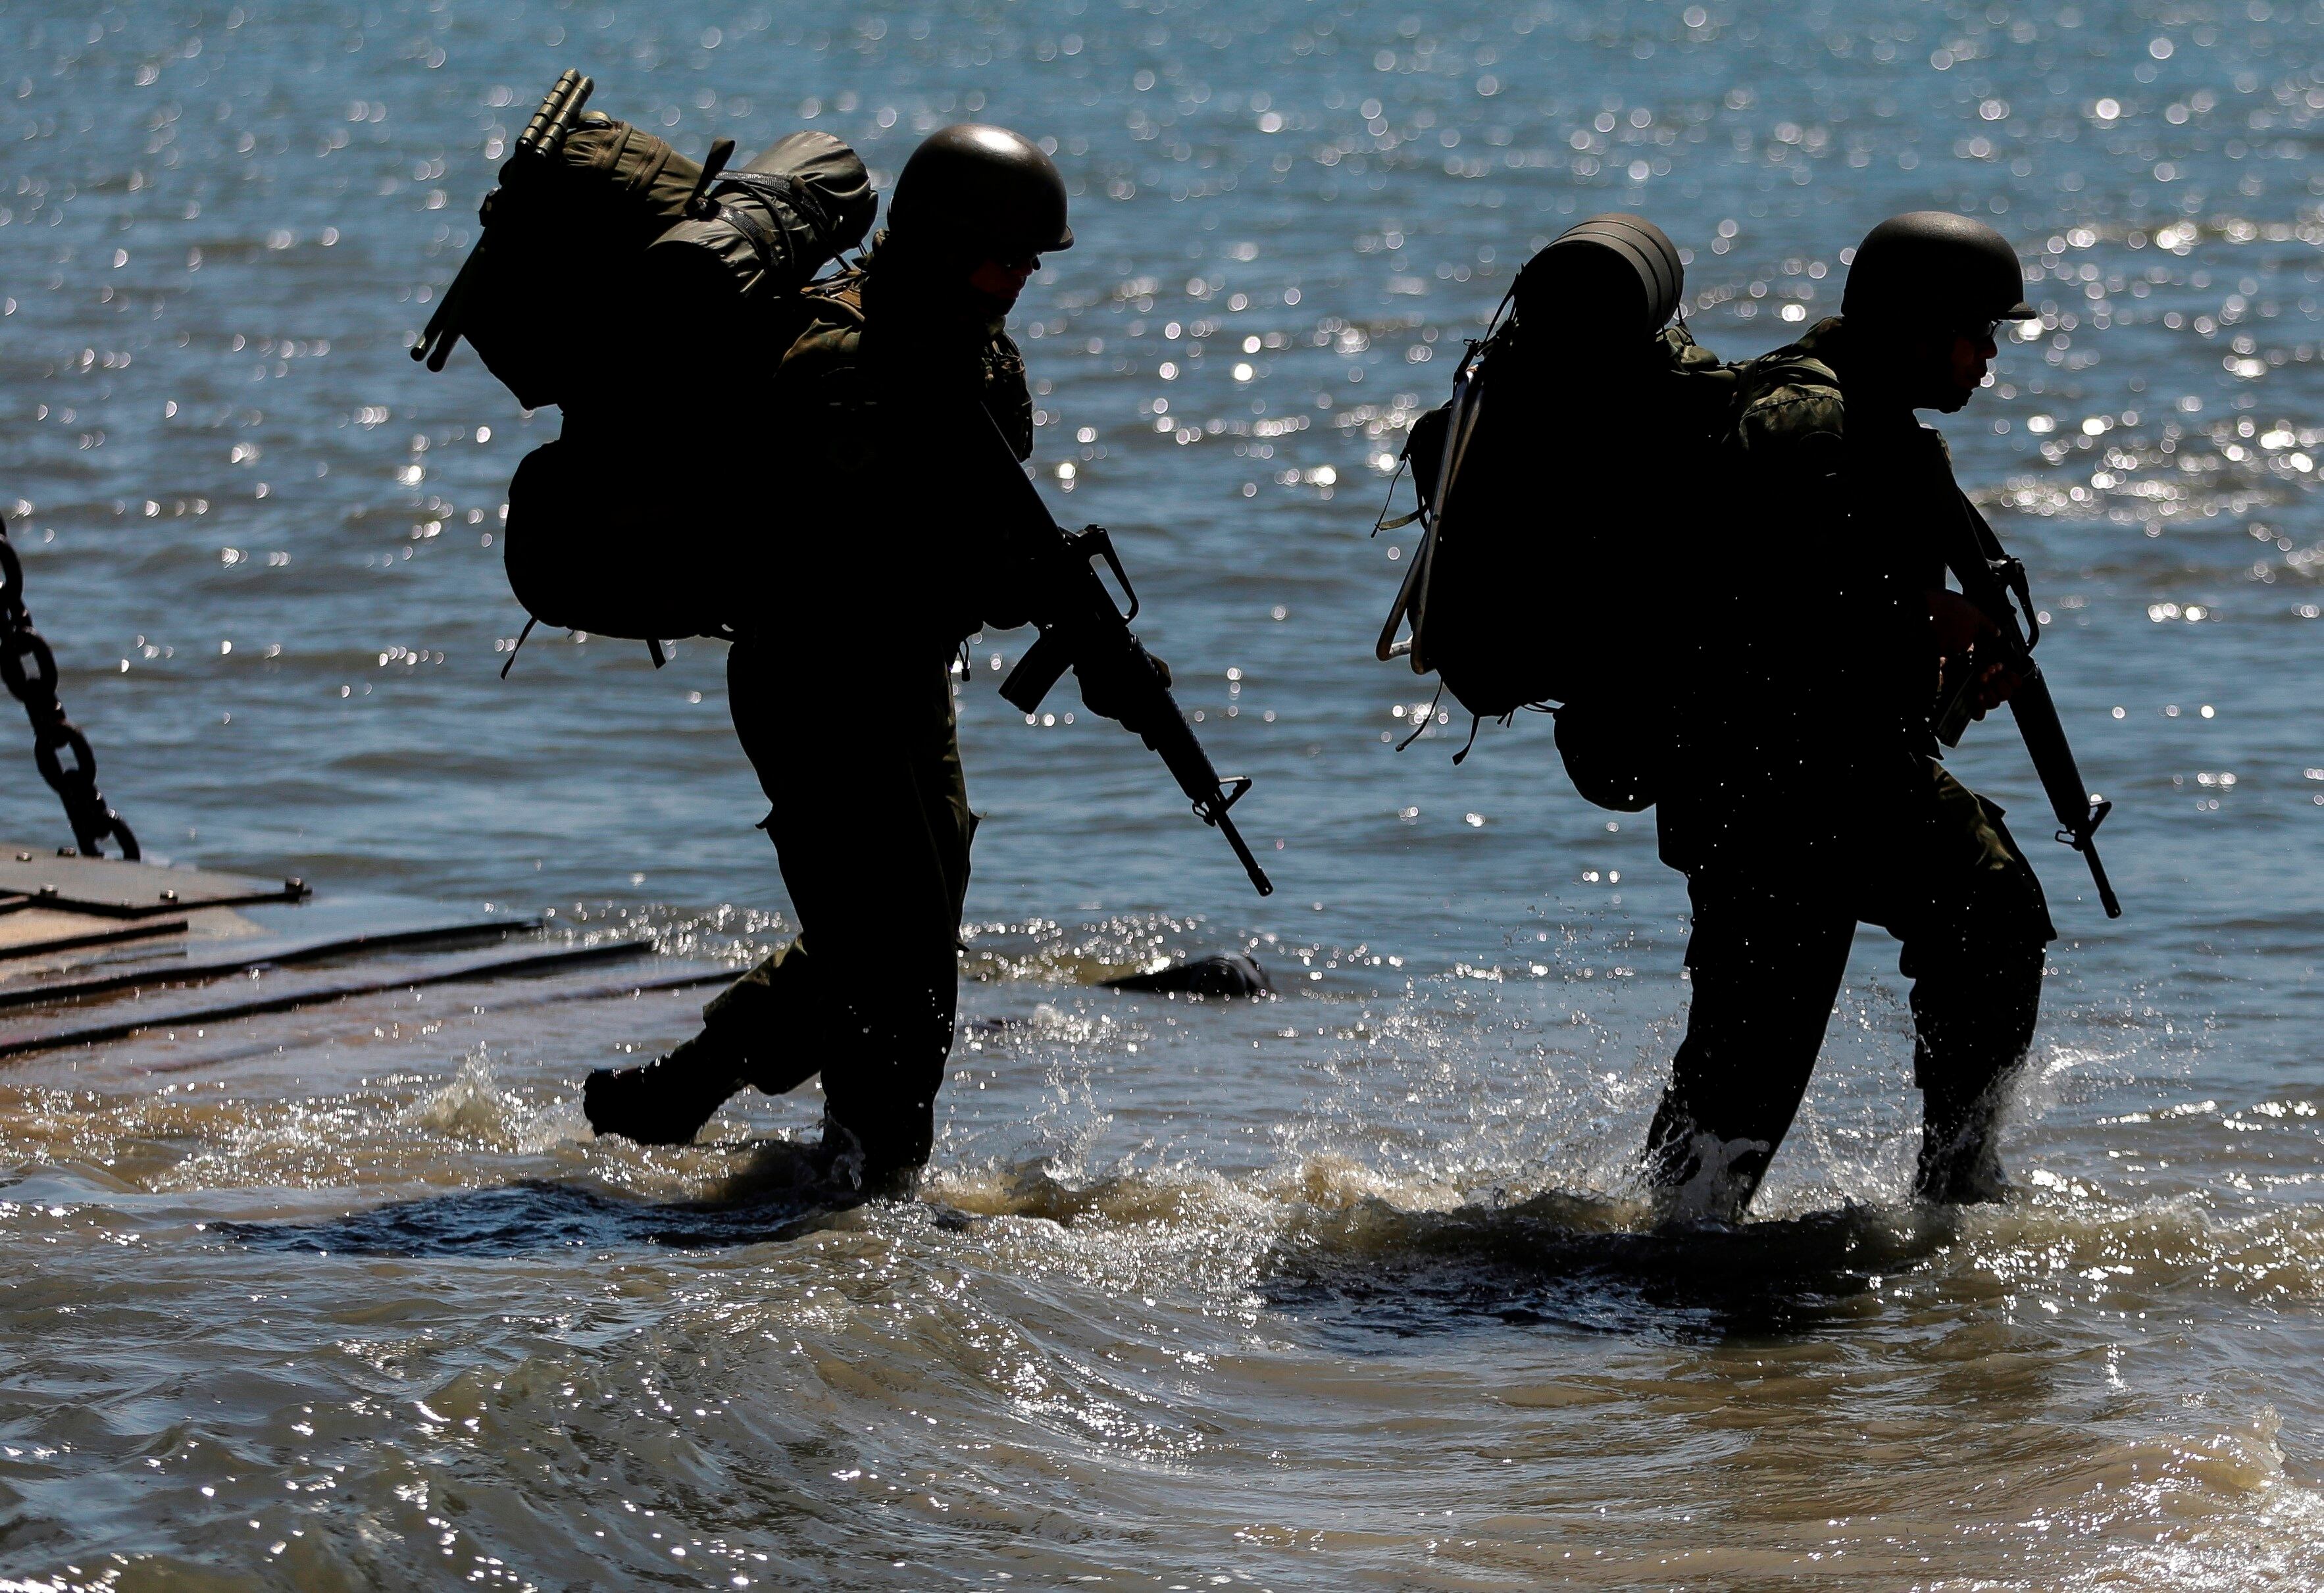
(1806, 795)
(880, 571)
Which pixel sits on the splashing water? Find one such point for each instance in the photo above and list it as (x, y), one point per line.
(1353, 1285)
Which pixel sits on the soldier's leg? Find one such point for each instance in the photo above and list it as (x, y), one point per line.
(761, 1023)
(871, 826)
(878, 871)
(1766, 969)
(753, 1031)
(1974, 953)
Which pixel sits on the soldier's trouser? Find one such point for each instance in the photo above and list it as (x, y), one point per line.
(869, 815)
(1766, 957)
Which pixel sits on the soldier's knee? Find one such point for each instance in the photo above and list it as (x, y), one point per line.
(2007, 906)
(1996, 926)
(2007, 958)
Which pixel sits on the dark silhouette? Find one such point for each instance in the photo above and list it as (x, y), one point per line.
(903, 529)
(1804, 794)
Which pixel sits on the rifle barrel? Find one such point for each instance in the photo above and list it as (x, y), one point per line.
(1182, 752)
(2078, 817)
(1258, 879)
(1988, 575)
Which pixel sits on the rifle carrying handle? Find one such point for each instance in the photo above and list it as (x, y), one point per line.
(1097, 539)
(1046, 662)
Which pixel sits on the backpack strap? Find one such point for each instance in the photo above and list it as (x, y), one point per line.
(779, 188)
(757, 233)
(770, 189)
(777, 191)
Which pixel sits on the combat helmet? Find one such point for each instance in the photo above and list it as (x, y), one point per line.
(979, 189)
(1932, 267)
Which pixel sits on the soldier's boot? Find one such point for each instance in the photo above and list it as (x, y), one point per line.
(845, 1163)
(666, 1101)
(1975, 1019)
(1960, 1153)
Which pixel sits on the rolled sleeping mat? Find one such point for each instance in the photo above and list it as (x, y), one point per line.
(797, 206)
(1638, 244)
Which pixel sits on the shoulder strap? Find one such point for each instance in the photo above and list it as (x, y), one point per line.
(1786, 367)
(840, 297)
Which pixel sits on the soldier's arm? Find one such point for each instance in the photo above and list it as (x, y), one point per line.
(1790, 443)
(1792, 440)
(1837, 594)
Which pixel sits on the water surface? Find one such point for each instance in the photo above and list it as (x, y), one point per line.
(1348, 1288)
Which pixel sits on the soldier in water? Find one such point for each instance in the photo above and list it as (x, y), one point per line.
(884, 556)
(1806, 795)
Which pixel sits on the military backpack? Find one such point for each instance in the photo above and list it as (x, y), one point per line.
(1562, 490)
(611, 270)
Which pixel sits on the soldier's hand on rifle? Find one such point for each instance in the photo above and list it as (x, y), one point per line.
(1113, 694)
(1959, 628)
(1996, 684)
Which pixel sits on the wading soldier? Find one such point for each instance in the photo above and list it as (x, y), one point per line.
(883, 554)
(1807, 796)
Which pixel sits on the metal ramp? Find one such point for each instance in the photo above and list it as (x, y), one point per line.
(98, 950)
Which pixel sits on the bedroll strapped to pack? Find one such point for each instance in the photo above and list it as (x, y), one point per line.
(1556, 487)
(607, 255)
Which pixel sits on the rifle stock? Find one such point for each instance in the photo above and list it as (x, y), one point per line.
(1082, 627)
(1988, 576)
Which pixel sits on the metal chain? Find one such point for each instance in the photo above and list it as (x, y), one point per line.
(28, 669)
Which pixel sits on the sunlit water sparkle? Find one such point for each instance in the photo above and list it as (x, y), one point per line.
(1347, 1288)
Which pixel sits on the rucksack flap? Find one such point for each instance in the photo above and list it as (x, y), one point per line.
(571, 547)
(562, 232)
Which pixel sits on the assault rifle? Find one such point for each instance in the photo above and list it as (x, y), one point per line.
(1990, 578)
(1082, 629)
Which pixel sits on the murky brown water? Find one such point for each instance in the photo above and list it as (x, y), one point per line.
(1350, 1288)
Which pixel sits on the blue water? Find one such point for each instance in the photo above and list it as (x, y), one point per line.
(1349, 1288)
